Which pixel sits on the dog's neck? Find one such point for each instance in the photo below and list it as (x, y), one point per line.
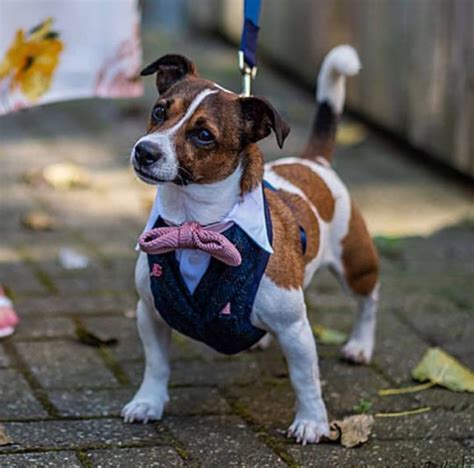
(203, 203)
(210, 203)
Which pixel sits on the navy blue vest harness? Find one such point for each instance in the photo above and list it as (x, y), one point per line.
(202, 315)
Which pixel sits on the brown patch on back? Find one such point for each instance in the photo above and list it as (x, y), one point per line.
(359, 257)
(312, 185)
(286, 266)
(305, 218)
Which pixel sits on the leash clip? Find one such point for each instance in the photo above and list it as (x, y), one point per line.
(248, 74)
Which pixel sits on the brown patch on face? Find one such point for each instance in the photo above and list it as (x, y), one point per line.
(286, 266)
(359, 257)
(252, 168)
(219, 114)
(311, 184)
(306, 219)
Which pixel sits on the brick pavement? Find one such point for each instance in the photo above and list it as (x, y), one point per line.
(60, 399)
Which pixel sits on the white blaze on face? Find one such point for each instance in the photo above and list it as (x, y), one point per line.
(167, 167)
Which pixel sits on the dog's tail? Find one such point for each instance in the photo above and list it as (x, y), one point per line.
(340, 62)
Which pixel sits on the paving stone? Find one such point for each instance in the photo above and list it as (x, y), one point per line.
(66, 364)
(76, 304)
(233, 371)
(129, 346)
(218, 441)
(92, 433)
(136, 457)
(90, 402)
(378, 453)
(4, 359)
(398, 349)
(97, 402)
(44, 327)
(16, 397)
(19, 278)
(438, 397)
(40, 460)
(435, 424)
(440, 322)
(190, 401)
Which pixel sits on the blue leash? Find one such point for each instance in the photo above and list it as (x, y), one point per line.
(248, 44)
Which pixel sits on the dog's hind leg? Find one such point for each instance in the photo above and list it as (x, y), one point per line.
(358, 273)
(150, 400)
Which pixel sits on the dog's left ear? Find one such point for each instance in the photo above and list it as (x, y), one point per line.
(169, 69)
(260, 118)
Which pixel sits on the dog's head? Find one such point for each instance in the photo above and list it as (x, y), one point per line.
(198, 132)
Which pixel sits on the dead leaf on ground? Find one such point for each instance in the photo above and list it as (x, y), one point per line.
(349, 134)
(62, 176)
(439, 367)
(39, 221)
(89, 339)
(4, 438)
(351, 431)
(328, 336)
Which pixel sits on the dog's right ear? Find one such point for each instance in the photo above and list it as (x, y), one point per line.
(169, 69)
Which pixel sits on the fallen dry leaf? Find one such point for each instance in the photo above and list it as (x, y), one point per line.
(351, 431)
(439, 367)
(89, 339)
(4, 438)
(349, 134)
(328, 336)
(61, 176)
(39, 221)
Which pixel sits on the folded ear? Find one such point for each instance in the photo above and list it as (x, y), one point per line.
(169, 69)
(260, 118)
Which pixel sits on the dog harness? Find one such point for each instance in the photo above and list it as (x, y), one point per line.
(213, 306)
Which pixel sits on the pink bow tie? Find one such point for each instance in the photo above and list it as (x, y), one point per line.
(190, 236)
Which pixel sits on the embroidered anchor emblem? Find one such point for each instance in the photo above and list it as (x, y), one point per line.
(157, 270)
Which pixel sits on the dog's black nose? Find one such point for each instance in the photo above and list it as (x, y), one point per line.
(147, 153)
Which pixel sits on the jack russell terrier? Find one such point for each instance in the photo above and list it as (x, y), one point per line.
(231, 243)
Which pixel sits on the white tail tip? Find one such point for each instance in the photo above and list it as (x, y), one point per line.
(340, 62)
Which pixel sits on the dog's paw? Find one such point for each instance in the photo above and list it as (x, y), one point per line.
(141, 410)
(357, 351)
(308, 431)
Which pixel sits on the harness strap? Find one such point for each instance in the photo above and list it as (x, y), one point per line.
(303, 237)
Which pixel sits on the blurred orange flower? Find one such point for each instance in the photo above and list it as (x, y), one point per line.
(32, 59)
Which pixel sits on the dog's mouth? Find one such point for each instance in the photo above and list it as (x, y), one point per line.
(147, 177)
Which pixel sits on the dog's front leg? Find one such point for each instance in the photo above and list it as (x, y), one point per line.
(283, 313)
(299, 347)
(150, 400)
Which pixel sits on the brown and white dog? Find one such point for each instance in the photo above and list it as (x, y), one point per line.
(201, 148)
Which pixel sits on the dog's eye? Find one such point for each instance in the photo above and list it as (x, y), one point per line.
(159, 114)
(202, 138)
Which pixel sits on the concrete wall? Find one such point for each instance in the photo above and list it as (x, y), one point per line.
(417, 56)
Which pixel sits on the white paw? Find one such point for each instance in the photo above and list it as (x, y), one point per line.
(308, 431)
(143, 410)
(358, 351)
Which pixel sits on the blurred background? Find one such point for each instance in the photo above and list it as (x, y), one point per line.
(405, 150)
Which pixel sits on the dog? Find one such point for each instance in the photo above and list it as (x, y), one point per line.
(200, 149)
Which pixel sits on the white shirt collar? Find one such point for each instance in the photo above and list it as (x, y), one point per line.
(248, 214)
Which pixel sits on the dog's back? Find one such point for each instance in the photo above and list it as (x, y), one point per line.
(309, 199)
